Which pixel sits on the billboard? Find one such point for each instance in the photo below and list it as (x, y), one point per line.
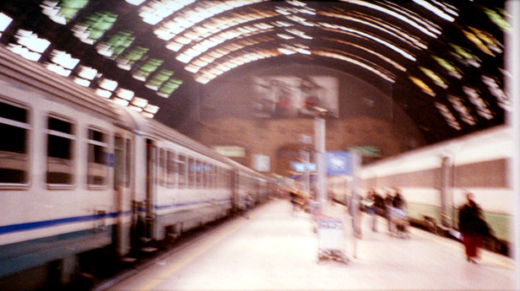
(292, 97)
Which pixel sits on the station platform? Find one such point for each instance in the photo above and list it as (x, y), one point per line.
(271, 249)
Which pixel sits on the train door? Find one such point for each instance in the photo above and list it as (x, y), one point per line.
(151, 159)
(122, 192)
(233, 185)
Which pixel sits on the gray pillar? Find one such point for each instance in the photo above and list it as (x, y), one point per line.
(321, 162)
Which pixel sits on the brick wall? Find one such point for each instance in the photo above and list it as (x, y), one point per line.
(279, 138)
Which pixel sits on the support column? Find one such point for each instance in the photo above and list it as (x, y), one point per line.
(321, 162)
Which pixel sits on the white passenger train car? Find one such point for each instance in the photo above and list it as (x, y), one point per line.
(79, 174)
(434, 179)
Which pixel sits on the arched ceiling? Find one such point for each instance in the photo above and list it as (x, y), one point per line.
(442, 59)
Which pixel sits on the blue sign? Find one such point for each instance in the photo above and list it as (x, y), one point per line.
(339, 163)
(300, 167)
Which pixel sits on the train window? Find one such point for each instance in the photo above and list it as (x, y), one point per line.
(181, 166)
(171, 169)
(60, 151)
(192, 169)
(97, 171)
(211, 176)
(205, 175)
(14, 156)
(162, 168)
(198, 171)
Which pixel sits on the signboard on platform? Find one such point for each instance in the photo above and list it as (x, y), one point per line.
(339, 163)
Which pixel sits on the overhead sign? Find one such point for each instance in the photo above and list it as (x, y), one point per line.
(300, 167)
(339, 163)
(231, 151)
(366, 151)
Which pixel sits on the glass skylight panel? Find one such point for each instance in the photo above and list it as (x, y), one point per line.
(147, 114)
(477, 42)
(394, 14)
(58, 69)
(433, 27)
(151, 108)
(87, 73)
(435, 10)
(464, 112)
(5, 21)
(121, 102)
(154, 12)
(62, 11)
(103, 93)
(158, 79)
(446, 113)
(435, 78)
(95, 26)
(139, 102)
(425, 88)
(169, 86)
(192, 68)
(465, 55)
(148, 68)
(481, 105)
(379, 25)
(498, 17)
(200, 63)
(452, 69)
(490, 41)
(81, 81)
(183, 58)
(135, 2)
(125, 94)
(108, 84)
(376, 39)
(502, 99)
(31, 41)
(64, 59)
(135, 108)
(116, 44)
(24, 52)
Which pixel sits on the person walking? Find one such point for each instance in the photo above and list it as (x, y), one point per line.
(388, 210)
(470, 224)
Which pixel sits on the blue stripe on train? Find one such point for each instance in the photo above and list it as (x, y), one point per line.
(55, 222)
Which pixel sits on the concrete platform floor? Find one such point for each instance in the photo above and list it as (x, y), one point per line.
(274, 250)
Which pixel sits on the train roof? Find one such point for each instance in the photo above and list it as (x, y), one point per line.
(20, 71)
(487, 144)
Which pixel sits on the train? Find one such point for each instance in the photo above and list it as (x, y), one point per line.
(83, 178)
(435, 179)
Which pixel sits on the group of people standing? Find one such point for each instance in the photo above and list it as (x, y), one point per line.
(472, 226)
(389, 206)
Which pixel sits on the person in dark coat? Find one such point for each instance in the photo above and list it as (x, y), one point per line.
(470, 225)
